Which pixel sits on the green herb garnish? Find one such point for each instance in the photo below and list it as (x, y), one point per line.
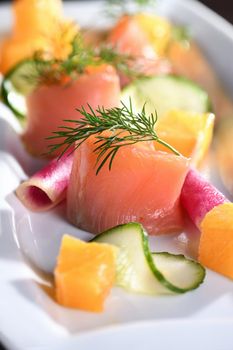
(124, 128)
(56, 71)
(124, 63)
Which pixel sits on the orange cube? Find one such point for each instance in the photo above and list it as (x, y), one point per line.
(216, 243)
(84, 274)
(190, 133)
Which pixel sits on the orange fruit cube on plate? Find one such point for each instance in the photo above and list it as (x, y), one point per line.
(33, 17)
(216, 243)
(157, 29)
(38, 25)
(190, 133)
(84, 274)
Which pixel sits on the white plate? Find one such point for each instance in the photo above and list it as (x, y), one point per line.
(29, 319)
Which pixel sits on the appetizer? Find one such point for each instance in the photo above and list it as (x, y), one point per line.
(128, 124)
(86, 272)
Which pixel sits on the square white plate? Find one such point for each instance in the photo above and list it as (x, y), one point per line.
(29, 319)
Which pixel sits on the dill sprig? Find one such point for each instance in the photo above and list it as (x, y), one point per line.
(54, 70)
(123, 127)
(123, 62)
(42, 70)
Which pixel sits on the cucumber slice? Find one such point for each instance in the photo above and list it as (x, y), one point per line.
(17, 84)
(140, 271)
(164, 93)
(178, 270)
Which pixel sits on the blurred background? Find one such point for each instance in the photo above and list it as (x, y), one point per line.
(223, 7)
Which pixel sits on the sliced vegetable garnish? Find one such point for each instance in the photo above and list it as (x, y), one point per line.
(165, 93)
(178, 270)
(138, 270)
(16, 85)
(47, 187)
(199, 197)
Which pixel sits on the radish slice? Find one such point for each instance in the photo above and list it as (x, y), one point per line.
(46, 188)
(198, 196)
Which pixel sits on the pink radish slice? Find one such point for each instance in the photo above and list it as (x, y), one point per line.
(198, 196)
(46, 188)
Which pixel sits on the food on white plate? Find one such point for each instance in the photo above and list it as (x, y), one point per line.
(86, 271)
(125, 168)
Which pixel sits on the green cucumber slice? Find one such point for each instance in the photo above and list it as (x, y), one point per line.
(164, 93)
(18, 83)
(178, 270)
(140, 271)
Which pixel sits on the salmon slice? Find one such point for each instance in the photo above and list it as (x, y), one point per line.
(49, 105)
(128, 37)
(143, 185)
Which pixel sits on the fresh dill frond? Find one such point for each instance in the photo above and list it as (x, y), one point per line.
(53, 70)
(124, 63)
(80, 57)
(112, 129)
(49, 71)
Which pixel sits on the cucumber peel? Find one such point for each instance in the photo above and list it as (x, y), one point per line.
(139, 270)
(164, 93)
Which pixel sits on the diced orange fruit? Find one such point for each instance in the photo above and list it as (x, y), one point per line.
(38, 25)
(84, 274)
(33, 17)
(157, 30)
(14, 50)
(216, 243)
(189, 133)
